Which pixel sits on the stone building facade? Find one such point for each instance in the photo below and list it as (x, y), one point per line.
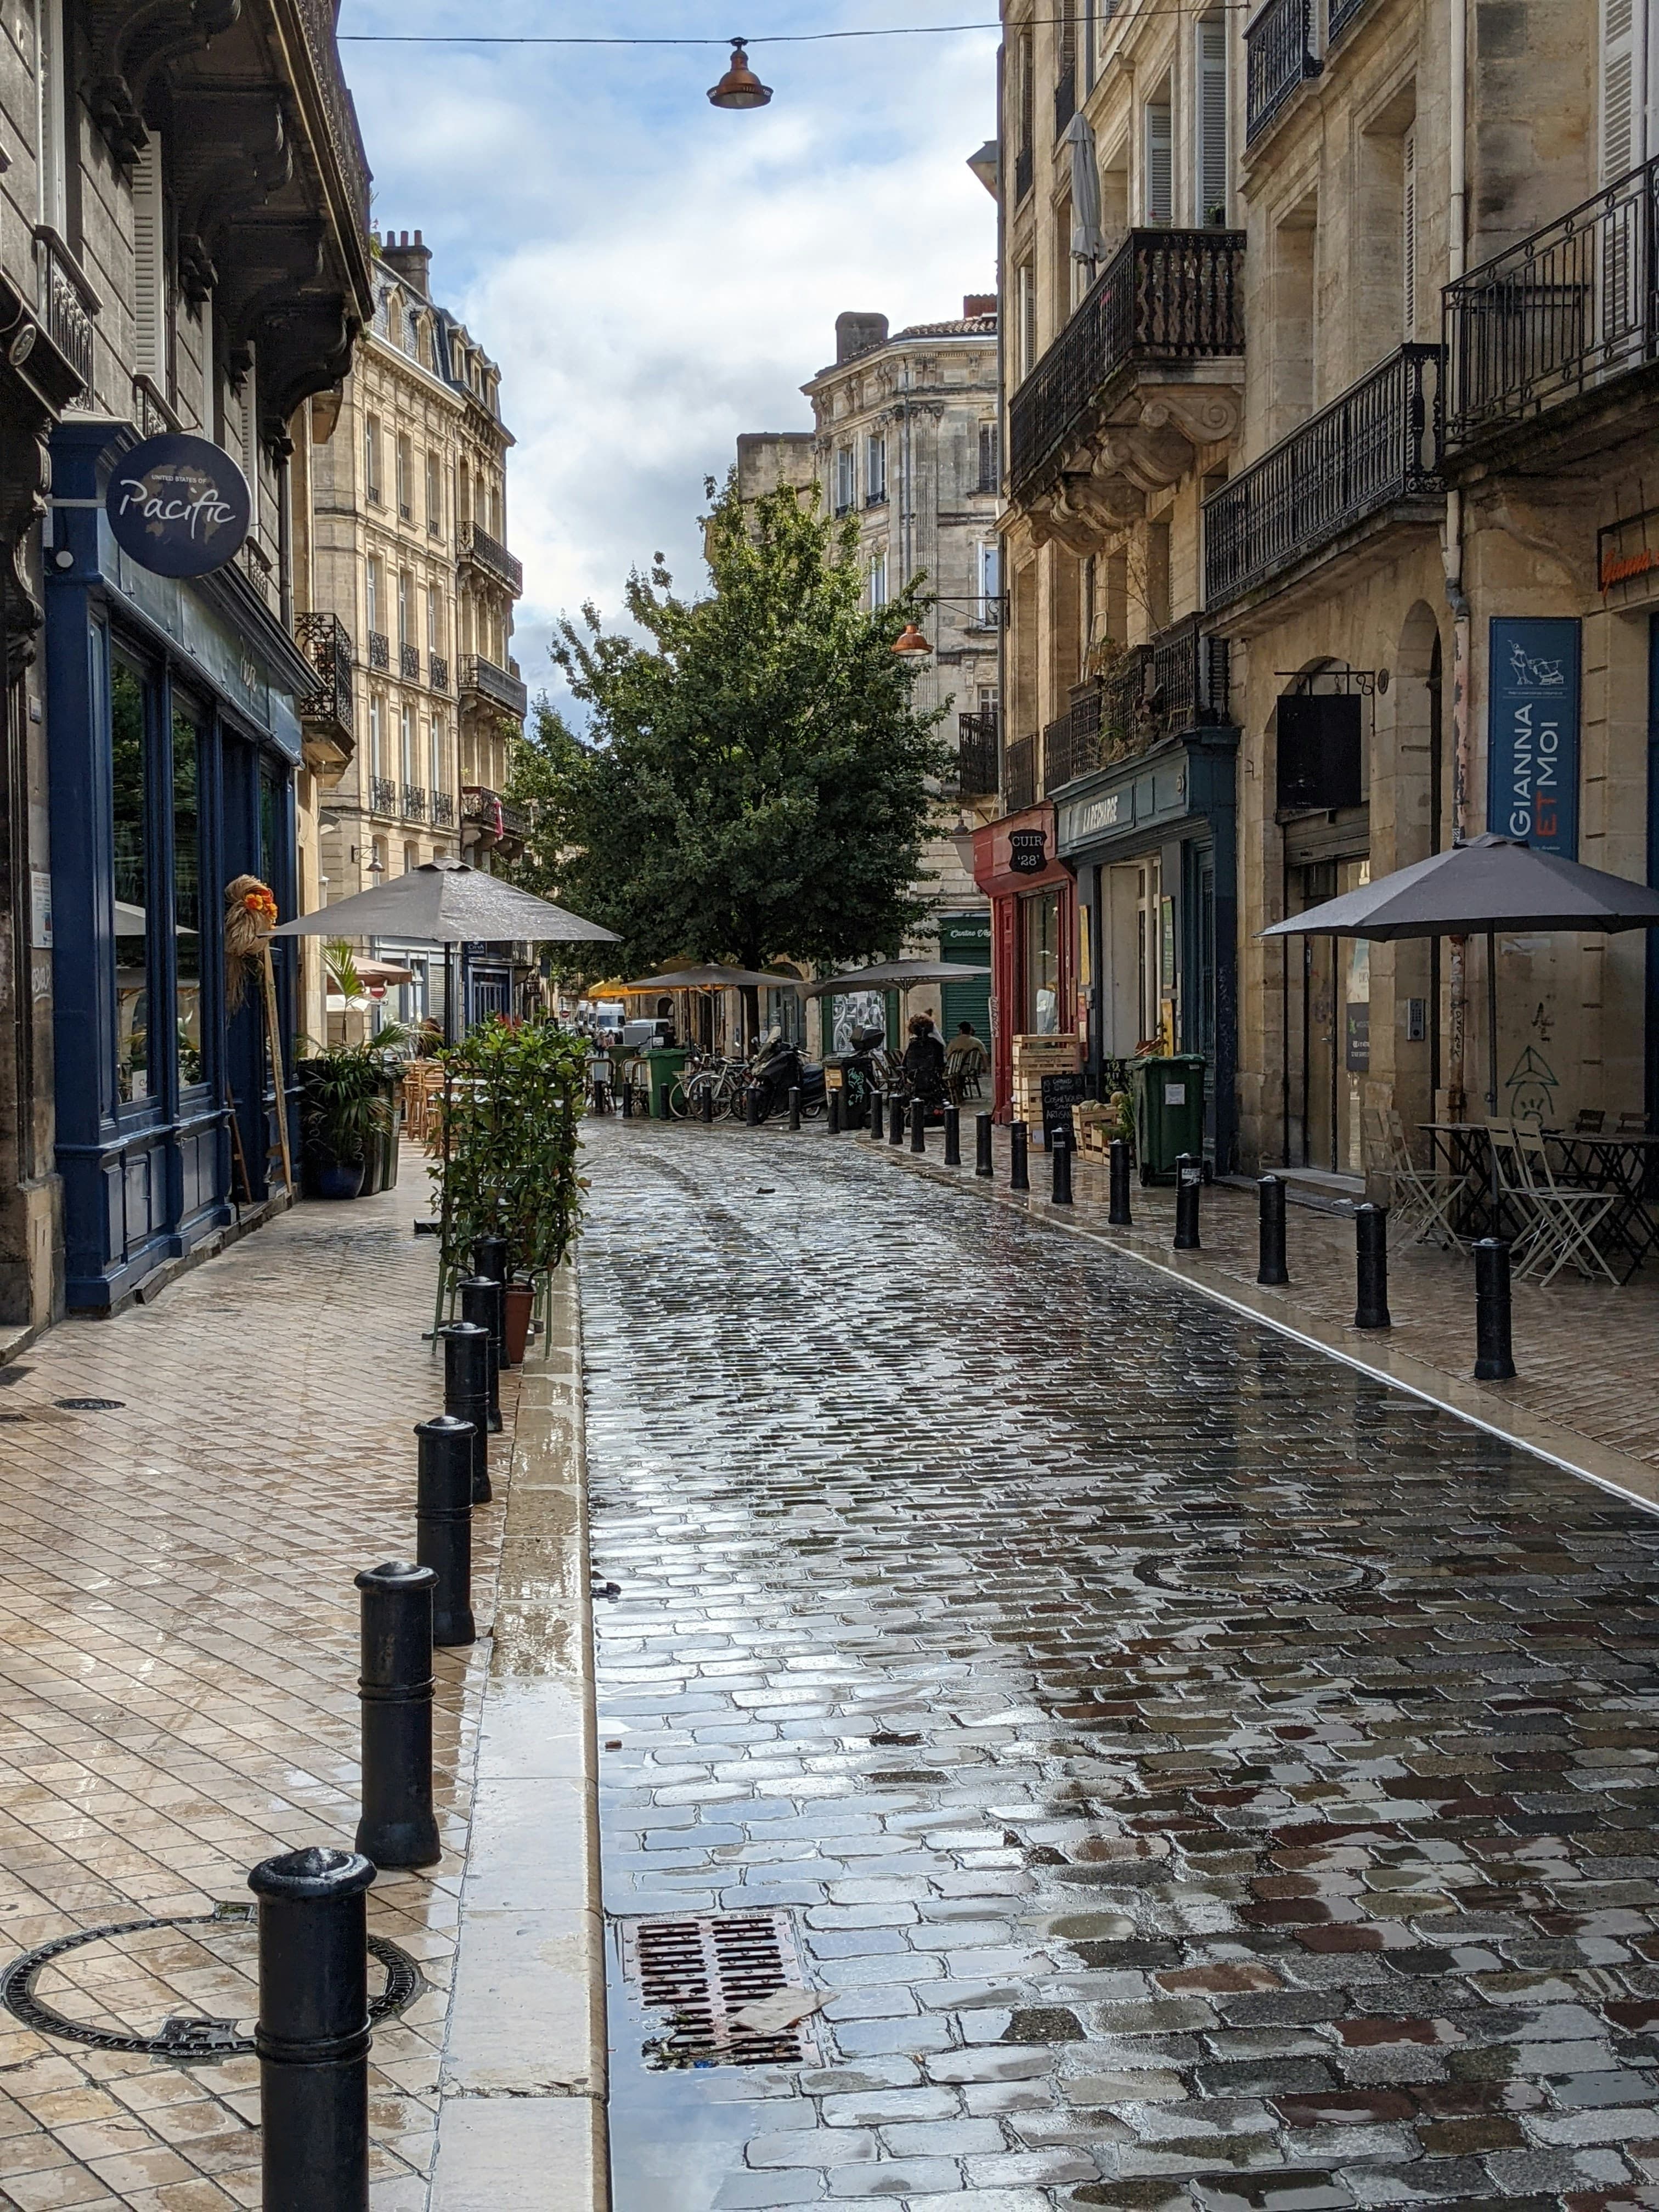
(905, 438)
(400, 527)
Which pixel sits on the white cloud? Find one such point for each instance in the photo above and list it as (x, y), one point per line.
(655, 275)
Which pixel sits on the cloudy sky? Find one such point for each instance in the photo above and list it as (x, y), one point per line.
(653, 275)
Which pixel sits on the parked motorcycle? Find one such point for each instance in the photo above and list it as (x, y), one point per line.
(777, 1069)
(859, 1073)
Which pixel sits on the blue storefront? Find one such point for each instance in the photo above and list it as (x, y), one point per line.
(174, 737)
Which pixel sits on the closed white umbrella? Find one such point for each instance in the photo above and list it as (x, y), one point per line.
(1088, 242)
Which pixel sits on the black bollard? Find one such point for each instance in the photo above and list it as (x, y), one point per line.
(1118, 1216)
(443, 1523)
(918, 1126)
(628, 1101)
(466, 1394)
(953, 1136)
(1371, 1239)
(1189, 1182)
(752, 1102)
(480, 1296)
(895, 1120)
(832, 1112)
(983, 1163)
(1494, 1354)
(1271, 1267)
(794, 1108)
(876, 1128)
(312, 2033)
(1018, 1171)
(397, 1828)
(706, 1102)
(1061, 1150)
(489, 1257)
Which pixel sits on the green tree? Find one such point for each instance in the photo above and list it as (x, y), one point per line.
(546, 772)
(755, 781)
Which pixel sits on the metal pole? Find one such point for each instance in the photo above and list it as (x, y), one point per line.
(984, 1163)
(1492, 1022)
(397, 1828)
(1118, 1216)
(1059, 1152)
(481, 1295)
(466, 1394)
(1370, 1236)
(953, 1136)
(1189, 1182)
(918, 1126)
(794, 1108)
(1494, 1360)
(1272, 1268)
(1019, 1177)
(443, 1523)
(312, 2034)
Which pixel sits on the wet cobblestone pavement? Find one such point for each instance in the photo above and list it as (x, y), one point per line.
(1197, 1775)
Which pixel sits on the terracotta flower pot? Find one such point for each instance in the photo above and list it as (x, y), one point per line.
(520, 1303)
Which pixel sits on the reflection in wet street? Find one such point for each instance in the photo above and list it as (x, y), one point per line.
(1196, 1775)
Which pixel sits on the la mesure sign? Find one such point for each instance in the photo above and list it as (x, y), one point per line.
(178, 505)
(1532, 785)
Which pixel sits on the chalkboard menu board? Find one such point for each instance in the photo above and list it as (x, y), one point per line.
(1060, 1093)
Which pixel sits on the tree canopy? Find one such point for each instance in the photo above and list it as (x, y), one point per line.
(755, 780)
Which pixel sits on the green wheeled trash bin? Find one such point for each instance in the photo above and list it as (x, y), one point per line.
(1168, 1113)
(664, 1062)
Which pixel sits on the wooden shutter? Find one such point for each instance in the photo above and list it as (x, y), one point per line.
(1160, 173)
(1408, 235)
(150, 289)
(1212, 177)
(1621, 89)
(990, 466)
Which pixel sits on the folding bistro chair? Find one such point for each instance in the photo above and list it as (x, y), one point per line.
(1420, 1199)
(1569, 1215)
(1514, 1195)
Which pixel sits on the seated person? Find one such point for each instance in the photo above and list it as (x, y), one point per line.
(924, 1060)
(965, 1059)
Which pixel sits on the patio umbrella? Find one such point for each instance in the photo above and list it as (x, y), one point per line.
(1476, 890)
(893, 976)
(715, 976)
(1087, 242)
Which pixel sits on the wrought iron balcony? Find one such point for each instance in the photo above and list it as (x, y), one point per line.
(443, 811)
(1563, 313)
(326, 644)
(1071, 744)
(480, 679)
(382, 795)
(1339, 14)
(317, 19)
(437, 672)
(414, 802)
(379, 649)
(1019, 766)
(976, 754)
(68, 306)
(408, 662)
(488, 811)
(1278, 57)
(1165, 296)
(488, 554)
(1380, 441)
(1187, 673)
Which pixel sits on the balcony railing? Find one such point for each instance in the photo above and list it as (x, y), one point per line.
(488, 554)
(437, 672)
(493, 813)
(1165, 295)
(443, 811)
(408, 662)
(316, 17)
(382, 795)
(1187, 678)
(1278, 57)
(976, 754)
(1019, 766)
(1379, 442)
(414, 802)
(326, 644)
(1065, 99)
(1071, 744)
(379, 649)
(1025, 173)
(68, 305)
(1339, 14)
(1559, 314)
(483, 680)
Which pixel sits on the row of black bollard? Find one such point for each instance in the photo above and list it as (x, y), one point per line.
(1189, 1186)
(982, 1161)
(1060, 1153)
(1019, 1177)
(794, 1108)
(918, 1126)
(1118, 1215)
(895, 1120)
(953, 1136)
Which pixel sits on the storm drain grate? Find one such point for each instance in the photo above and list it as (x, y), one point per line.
(700, 1972)
(89, 1405)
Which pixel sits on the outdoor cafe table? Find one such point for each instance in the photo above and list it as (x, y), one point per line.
(1621, 1164)
(1464, 1151)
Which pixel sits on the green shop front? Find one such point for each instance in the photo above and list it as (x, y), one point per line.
(1153, 840)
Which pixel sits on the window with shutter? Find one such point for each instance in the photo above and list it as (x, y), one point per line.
(875, 477)
(990, 569)
(1408, 235)
(843, 479)
(1160, 171)
(990, 456)
(1621, 139)
(149, 293)
(1212, 171)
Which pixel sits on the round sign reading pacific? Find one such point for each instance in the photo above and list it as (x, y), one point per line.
(178, 505)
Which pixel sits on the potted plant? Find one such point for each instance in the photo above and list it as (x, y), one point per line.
(343, 1114)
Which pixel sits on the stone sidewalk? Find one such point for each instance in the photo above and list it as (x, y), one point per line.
(1583, 1393)
(178, 1691)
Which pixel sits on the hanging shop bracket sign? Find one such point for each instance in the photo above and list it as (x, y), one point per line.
(178, 505)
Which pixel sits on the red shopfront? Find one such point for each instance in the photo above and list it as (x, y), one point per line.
(1033, 938)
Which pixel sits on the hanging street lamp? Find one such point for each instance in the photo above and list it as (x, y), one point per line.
(739, 87)
(910, 639)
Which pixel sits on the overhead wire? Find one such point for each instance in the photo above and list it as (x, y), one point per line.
(763, 39)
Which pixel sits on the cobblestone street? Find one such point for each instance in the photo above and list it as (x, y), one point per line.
(1195, 1774)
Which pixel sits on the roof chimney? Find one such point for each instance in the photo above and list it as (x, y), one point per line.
(978, 303)
(411, 259)
(857, 333)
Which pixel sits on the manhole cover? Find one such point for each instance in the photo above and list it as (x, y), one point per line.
(703, 1971)
(1257, 1578)
(197, 1976)
(89, 1405)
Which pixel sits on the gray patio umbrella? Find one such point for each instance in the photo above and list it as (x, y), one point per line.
(1087, 242)
(893, 976)
(1476, 890)
(714, 977)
